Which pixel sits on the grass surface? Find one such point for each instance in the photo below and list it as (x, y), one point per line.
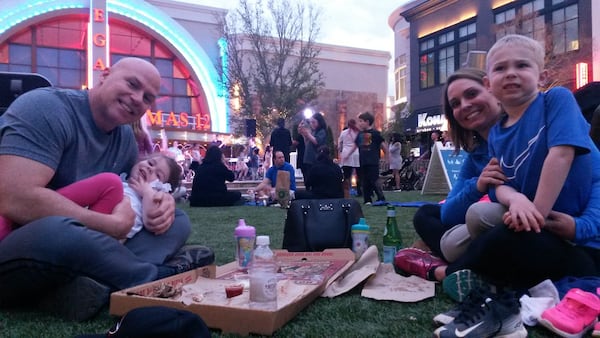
(348, 315)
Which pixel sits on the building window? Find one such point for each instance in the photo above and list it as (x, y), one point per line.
(444, 52)
(446, 64)
(504, 25)
(463, 50)
(401, 94)
(427, 68)
(532, 17)
(565, 30)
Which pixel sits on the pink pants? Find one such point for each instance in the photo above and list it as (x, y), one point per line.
(99, 193)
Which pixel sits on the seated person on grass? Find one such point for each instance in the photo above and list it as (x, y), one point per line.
(267, 186)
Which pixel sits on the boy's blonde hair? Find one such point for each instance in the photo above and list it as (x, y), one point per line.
(519, 40)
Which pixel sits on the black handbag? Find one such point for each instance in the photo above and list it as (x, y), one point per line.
(318, 224)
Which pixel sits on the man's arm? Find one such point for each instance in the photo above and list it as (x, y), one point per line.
(265, 185)
(25, 198)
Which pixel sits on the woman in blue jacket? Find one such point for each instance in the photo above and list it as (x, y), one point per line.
(520, 259)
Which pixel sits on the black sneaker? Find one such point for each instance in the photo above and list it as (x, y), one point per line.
(191, 257)
(80, 299)
(495, 317)
(476, 297)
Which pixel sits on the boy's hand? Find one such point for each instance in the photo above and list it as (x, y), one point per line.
(522, 215)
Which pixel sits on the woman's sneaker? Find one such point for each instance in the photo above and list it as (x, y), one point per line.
(460, 283)
(497, 316)
(413, 261)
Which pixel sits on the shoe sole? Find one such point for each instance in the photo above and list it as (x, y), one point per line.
(459, 284)
(547, 324)
(79, 300)
(445, 318)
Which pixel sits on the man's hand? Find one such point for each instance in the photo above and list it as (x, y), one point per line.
(124, 217)
(491, 175)
(158, 212)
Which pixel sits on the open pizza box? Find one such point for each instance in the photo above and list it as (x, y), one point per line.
(303, 277)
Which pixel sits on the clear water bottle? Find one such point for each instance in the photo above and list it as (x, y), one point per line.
(245, 236)
(263, 276)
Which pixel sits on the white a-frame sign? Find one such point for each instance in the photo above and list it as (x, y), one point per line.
(443, 170)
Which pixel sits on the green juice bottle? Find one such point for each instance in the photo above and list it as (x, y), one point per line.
(392, 241)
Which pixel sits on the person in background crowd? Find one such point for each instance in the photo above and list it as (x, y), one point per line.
(267, 186)
(395, 151)
(315, 135)
(176, 152)
(325, 178)
(253, 163)
(142, 137)
(349, 157)
(63, 257)
(196, 157)
(209, 188)
(369, 142)
(240, 166)
(281, 139)
(298, 143)
(267, 158)
(446, 138)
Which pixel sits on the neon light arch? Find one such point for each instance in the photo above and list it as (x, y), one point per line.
(151, 17)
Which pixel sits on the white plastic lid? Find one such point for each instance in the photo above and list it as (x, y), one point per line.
(262, 240)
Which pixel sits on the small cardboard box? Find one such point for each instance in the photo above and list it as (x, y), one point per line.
(307, 273)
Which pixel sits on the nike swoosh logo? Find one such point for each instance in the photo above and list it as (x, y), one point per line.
(464, 333)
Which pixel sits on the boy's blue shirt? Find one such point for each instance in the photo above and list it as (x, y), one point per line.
(552, 119)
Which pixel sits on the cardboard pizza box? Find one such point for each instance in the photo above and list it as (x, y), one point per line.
(304, 276)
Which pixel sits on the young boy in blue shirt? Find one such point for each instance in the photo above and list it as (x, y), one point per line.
(542, 143)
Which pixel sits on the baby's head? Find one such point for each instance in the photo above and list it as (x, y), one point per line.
(158, 167)
(511, 41)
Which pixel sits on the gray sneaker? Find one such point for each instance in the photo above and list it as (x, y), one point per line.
(477, 296)
(498, 316)
(80, 299)
(191, 257)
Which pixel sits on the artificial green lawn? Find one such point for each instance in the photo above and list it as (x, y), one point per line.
(348, 315)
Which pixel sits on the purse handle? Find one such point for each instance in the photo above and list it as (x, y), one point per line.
(344, 205)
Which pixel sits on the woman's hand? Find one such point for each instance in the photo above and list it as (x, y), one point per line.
(561, 224)
(491, 175)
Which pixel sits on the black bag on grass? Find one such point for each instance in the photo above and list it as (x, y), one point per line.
(157, 322)
(318, 224)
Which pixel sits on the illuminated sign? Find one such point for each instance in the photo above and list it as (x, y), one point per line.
(98, 49)
(428, 123)
(581, 74)
(181, 120)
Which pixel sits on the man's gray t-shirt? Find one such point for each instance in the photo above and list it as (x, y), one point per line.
(55, 127)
